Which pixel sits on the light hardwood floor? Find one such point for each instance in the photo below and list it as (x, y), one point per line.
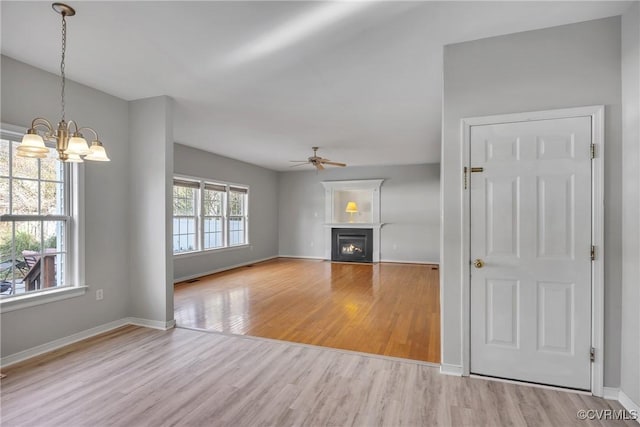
(141, 377)
(387, 309)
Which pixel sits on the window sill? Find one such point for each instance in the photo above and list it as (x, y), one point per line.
(210, 251)
(43, 297)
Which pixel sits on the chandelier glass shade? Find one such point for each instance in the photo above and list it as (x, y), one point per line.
(68, 136)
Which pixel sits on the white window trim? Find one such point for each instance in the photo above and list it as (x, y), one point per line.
(46, 296)
(200, 216)
(75, 285)
(209, 251)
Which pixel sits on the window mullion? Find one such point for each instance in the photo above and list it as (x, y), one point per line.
(227, 226)
(39, 187)
(10, 177)
(71, 267)
(13, 258)
(200, 222)
(245, 217)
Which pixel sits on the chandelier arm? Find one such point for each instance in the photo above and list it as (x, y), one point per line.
(89, 129)
(74, 124)
(41, 121)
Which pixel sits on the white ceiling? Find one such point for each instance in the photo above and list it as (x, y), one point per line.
(264, 81)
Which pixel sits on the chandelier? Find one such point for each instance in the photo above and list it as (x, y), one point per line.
(70, 143)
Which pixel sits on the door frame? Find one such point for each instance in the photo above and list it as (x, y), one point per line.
(596, 112)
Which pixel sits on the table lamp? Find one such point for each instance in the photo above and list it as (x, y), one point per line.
(351, 209)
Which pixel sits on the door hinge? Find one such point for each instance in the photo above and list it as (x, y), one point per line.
(593, 151)
(592, 354)
(593, 253)
(465, 177)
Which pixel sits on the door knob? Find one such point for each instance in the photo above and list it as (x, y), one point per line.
(478, 263)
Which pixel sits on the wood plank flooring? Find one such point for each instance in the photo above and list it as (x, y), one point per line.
(135, 376)
(387, 309)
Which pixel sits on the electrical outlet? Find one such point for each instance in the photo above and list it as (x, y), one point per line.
(99, 295)
(395, 247)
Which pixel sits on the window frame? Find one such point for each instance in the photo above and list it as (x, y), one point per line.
(74, 239)
(184, 183)
(244, 217)
(223, 209)
(201, 217)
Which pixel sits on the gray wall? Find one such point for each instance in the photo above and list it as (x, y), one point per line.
(630, 361)
(566, 66)
(106, 195)
(150, 208)
(410, 207)
(263, 210)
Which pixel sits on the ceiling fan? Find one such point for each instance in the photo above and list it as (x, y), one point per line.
(317, 161)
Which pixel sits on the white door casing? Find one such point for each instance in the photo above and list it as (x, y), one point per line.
(596, 113)
(531, 226)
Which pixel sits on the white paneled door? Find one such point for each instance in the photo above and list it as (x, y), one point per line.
(531, 251)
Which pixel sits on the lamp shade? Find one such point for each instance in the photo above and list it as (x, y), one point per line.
(97, 153)
(32, 145)
(351, 207)
(74, 158)
(77, 145)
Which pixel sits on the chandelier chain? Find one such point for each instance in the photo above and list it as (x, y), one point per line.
(64, 50)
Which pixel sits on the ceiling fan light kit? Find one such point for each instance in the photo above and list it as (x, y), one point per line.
(317, 161)
(70, 142)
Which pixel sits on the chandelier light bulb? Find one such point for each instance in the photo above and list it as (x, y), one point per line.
(97, 152)
(32, 145)
(74, 158)
(77, 145)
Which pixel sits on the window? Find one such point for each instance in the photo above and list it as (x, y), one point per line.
(208, 215)
(237, 216)
(185, 202)
(35, 221)
(214, 195)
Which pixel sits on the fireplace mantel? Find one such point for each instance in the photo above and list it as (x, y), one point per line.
(354, 225)
(369, 191)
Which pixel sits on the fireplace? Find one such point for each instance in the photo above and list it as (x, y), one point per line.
(352, 244)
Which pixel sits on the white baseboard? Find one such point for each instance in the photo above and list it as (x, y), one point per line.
(302, 257)
(611, 393)
(153, 324)
(220, 270)
(454, 370)
(400, 261)
(56, 344)
(632, 407)
(83, 335)
(397, 261)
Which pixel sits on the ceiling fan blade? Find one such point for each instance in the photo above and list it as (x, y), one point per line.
(335, 163)
(299, 161)
(300, 164)
(319, 166)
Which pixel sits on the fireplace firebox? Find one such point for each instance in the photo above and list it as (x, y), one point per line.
(352, 244)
